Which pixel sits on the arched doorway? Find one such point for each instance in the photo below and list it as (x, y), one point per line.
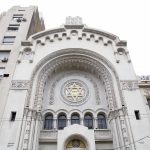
(76, 144)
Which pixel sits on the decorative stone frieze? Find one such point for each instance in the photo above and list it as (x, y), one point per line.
(102, 134)
(116, 113)
(20, 84)
(147, 92)
(48, 134)
(129, 85)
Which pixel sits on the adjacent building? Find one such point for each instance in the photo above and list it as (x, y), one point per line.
(68, 88)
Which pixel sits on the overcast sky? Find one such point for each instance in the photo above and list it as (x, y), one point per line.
(128, 19)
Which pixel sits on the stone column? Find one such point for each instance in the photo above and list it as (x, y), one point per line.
(68, 121)
(115, 130)
(37, 131)
(22, 131)
(32, 129)
(82, 121)
(55, 123)
(95, 123)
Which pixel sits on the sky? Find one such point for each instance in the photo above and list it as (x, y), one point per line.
(128, 19)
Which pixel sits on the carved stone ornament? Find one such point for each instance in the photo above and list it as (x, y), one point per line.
(70, 73)
(87, 58)
(147, 92)
(74, 91)
(20, 84)
(73, 20)
(100, 70)
(129, 85)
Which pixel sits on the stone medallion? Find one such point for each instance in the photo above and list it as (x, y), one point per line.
(74, 92)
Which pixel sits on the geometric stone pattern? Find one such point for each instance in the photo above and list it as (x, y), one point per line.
(129, 85)
(74, 91)
(20, 84)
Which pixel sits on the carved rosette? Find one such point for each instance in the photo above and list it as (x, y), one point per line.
(72, 73)
(74, 92)
(20, 84)
(129, 85)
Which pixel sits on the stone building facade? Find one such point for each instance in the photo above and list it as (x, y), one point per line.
(69, 88)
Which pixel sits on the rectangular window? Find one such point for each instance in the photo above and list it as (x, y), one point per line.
(13, 27)
(21, 10)
(4, 56)
(137, 114)
(17, 17)
(148, 102)
(9, 39)
(13, 116)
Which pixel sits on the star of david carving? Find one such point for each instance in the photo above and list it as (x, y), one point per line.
(75, 91)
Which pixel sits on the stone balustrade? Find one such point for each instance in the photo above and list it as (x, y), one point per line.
(48, 135)
(51, 135)
(144, 78)
(102, 134)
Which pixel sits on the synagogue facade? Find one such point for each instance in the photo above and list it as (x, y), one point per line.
(68, 88)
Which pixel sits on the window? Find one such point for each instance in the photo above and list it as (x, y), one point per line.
(13, 116)
(4, 56)
(76, 144)
(137, 114)
(21, 10)
(88, 121)
(148, 102)
(48, 122)
(13, 27)
(18, 17)
(75, 119)
(62, 121)
(101, 121)
(9, 39)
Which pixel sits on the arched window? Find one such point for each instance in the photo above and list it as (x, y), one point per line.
(62, 121)
(48, 122)
(101, 121)
(75, 119)
(88, 121)
(76, 144)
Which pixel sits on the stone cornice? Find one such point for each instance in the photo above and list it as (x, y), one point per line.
(102, 33)
(84, 30)
(44, 33)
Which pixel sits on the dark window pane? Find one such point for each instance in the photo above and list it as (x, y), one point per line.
(148, 101)
(137, 114)
(48, 124)
(75, 119)
(62, 121)
(13, 116)
(88, 121)
(102, 122)
(9, 39)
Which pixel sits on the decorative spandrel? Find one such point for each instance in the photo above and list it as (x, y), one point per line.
(74, 91)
